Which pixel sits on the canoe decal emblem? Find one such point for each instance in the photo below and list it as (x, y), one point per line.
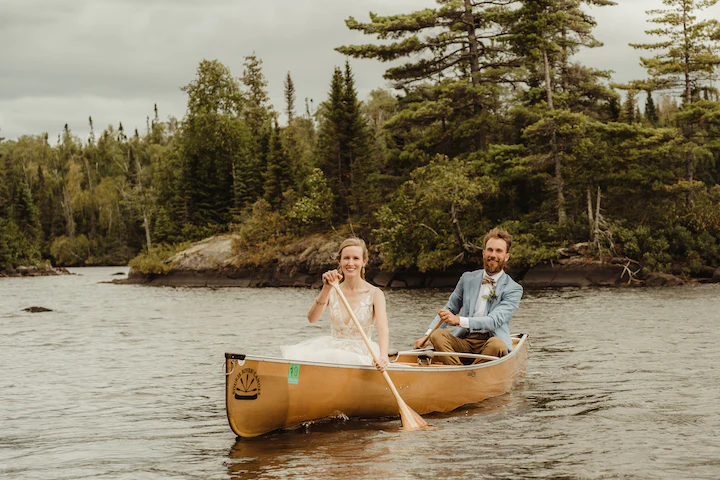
(247, 385)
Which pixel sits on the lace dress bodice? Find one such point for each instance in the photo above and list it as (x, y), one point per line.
(342, 325)
(345, 344)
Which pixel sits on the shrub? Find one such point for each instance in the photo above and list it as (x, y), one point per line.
(155, 262)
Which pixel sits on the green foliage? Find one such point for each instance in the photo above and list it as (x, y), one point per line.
(434, 218)
(12, 245)
(687, 56)
(261, 235)
(690, 237)
(344, 144)
(311, 209)
(155, 262)
(71, 251)
(474, 138)
(278, 175)
(217, 167)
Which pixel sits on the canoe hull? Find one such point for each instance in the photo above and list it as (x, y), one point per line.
(265, 394)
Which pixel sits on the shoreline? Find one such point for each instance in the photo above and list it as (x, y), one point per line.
(545, 276)
(34, 271)
(213, 263)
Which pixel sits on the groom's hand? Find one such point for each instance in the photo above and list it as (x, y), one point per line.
(448, 317)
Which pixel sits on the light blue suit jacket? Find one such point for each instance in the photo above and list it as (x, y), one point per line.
(498, 313)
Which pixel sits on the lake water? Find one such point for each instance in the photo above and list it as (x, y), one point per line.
(126, 382)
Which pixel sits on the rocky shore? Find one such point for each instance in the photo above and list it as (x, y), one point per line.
(211, 263)
(33, 271)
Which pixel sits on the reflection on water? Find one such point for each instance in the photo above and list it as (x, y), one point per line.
(127, 382)
(354, 448)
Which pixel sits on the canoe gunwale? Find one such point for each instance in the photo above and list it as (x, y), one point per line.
(392, 367)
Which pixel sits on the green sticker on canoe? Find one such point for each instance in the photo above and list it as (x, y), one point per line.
(293, 373)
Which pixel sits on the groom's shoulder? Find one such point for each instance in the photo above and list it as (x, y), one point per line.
(470, 274)
(512, 283)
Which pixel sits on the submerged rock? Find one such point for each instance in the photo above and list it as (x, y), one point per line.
(36, 309)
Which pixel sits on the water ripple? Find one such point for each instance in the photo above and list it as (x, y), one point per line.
(126, 382)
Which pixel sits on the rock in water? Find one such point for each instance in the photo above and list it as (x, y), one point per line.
(36, 309)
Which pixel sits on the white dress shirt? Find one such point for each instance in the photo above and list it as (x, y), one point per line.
(481, 302)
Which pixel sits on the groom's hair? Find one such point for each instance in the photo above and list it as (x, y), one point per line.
(500, 233)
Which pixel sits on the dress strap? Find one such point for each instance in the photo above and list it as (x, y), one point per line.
(372, 315)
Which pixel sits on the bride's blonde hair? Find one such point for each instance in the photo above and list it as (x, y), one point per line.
(353, 242)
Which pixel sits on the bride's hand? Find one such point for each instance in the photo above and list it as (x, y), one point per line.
(382, 364)
(331, 276)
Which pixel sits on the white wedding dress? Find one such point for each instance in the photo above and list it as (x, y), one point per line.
(345, 344)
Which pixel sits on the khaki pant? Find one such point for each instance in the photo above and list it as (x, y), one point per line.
(444, 341)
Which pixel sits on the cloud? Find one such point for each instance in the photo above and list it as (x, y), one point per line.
(114, 59)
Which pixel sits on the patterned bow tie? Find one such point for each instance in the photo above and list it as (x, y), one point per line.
(489, 280)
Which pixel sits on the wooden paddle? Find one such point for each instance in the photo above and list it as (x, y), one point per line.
(427, 337)
(409, 418)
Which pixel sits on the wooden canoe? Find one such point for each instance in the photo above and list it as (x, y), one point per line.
(265, 394)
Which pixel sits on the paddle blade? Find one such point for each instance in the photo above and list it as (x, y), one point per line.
(410, 419)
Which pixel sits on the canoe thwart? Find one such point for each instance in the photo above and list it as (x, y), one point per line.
(433, 353)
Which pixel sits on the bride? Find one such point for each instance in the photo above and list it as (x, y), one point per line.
(345, 344)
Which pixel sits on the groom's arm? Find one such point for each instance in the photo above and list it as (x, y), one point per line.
(454, 303)
(500, 315)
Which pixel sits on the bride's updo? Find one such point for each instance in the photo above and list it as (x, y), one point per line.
(353, 242)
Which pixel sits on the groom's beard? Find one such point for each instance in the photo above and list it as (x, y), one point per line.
(493, 265)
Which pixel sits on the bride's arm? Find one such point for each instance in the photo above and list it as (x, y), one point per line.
(381, 322)
(318, 306)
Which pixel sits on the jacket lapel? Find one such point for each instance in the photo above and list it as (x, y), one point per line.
(498, 289)
(472, 293)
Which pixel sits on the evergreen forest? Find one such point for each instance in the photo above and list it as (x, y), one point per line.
(488, 120)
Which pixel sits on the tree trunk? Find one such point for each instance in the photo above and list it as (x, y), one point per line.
(474, 62)
(548, 81)
(68, 213)
(464, 245)
(686, 54)
(564, 60)
(143, 202)
(596, 233)
(146, 224)
(690, 174)
(591, 219)
(236, 193)
(559, 181)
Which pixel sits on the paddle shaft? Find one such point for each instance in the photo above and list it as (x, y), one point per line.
(427, 337)
(336, 286)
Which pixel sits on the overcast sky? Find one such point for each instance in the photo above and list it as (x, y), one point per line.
(62, 61)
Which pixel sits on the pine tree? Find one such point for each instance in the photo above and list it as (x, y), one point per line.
(289, 98)
(358, 145)
(687, 58)
(212, 148)
(344, 145)
(651, 114)
(547, 33)
(331, 142)
(453, 68)
(257, 108)
(629, 107)
(278, 176)
(258, 114)
(687, 61)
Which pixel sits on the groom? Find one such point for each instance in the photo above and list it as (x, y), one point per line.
(480, 307)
